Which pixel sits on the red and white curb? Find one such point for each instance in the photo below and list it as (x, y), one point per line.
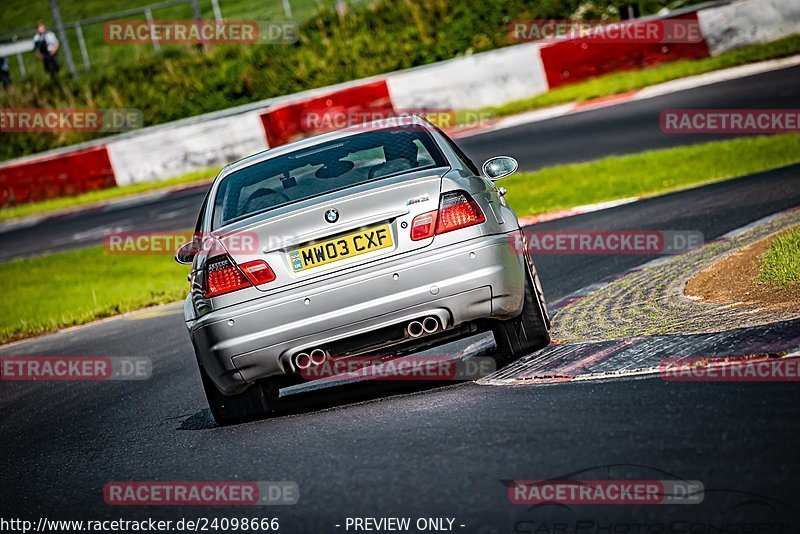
(643, 356)
(579, 210)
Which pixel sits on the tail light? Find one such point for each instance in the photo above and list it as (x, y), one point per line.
(258, 272)
(423, 226)
(456, 210)
(223, 276)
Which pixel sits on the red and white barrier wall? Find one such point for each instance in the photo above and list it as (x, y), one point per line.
(57, 175)
(735, 24)
(469, 82)
(178, 148)
(575, 60)
(292, 121)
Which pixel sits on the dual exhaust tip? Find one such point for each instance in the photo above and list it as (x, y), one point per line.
(428, 325)
(304, 360)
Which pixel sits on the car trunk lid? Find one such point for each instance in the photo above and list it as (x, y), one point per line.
(339, 230)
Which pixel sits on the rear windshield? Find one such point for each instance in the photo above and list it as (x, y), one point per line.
(322, 169)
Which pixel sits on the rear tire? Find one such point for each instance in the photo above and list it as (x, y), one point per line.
(255, 402)
(527, 332)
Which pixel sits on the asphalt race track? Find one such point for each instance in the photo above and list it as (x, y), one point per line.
(443, 451)
(632, 126)
(621, 129)
(434, 451)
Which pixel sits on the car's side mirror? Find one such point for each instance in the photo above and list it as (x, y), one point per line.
(186, 253)
(499, 167)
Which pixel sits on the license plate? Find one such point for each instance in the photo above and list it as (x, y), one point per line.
(342, 247)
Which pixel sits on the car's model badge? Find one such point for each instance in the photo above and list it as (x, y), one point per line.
(417, 200)
(332, 215)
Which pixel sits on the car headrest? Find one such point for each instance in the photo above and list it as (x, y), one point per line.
(391, 167)
(334, 168)
(262, 198)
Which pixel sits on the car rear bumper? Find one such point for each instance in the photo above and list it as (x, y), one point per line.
(483, 278)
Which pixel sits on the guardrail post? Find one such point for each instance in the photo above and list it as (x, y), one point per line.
(82, 46)
(21, 62)
(217, 10)
(148, 16)
(62, 35)
(198, 16)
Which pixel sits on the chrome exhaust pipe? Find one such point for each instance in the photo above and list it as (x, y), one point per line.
(415, 329)
(318, 356)
(430, 324)
(302, 361)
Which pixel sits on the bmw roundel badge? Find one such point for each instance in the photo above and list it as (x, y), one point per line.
(332, 215)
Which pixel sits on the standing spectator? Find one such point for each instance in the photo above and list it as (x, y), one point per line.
(5, 74)
(46, 45)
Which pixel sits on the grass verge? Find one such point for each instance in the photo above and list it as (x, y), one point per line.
(102, 195)
(71, 288)
(623, 82)
(648, 173)
(780, 265)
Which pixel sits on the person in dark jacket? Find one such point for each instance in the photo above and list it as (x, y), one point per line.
(46, 45)
(5, 73)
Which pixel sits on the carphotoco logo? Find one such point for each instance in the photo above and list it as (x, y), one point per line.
(74, 368)
(200, 32)
(70, 120)
(204, 493)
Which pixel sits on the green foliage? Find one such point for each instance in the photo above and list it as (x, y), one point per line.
(371, 39)
(780, 265)
(648, 173)
(76, 287)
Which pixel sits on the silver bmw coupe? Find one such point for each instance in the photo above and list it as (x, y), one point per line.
(377, 240)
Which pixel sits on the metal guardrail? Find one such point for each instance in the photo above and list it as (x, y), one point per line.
(20, 47)
(17, 49)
